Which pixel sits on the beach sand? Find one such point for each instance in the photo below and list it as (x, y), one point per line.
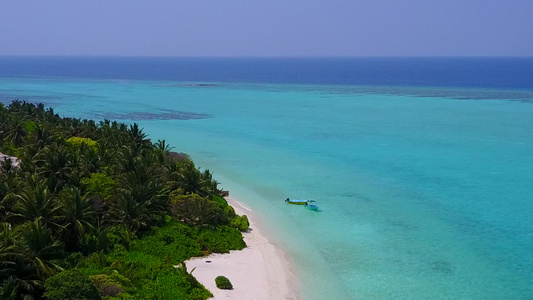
(260, 271)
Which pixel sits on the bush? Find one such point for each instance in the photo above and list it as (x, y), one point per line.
(148, 270)
(223, 283)
(230, 212)
(221, 240)
(121, 296)
(196, 210)
(241, 223)
(106, 285)
(172, 243)
(71, 284)
(220, 201)
(100, 184)
(78, 141)
(71, 261)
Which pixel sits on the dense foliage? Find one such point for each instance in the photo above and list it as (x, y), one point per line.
(223, 283)
(96, 210)
(241, 223)
(71, 284)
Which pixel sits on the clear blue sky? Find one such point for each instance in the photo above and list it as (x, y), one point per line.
(267, 28)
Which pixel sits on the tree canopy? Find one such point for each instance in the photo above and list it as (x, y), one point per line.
(97, 208)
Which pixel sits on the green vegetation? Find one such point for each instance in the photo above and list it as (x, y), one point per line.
(99, 184)
(77, 141)
(223, 283)
(107, 286)
(71, 284)
(95, 210)
(241, 223)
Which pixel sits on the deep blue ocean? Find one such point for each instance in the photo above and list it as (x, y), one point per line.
(506, 73)
(422, 167)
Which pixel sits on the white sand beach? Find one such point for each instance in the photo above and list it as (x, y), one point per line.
(258, 272)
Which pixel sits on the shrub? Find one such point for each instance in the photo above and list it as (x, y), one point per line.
(121, 296)
(120, 279)
(106, 285)
(71, 284)
(223, 283)
(241, 223)
(221, 240)
(221, 201)
(196, 210)
(230, 212)
(120, 235)
(100, 184)
(172, 243)
(71, 261)
(78, 141)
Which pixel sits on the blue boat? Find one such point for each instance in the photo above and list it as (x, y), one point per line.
(309, 204)
(296, 202)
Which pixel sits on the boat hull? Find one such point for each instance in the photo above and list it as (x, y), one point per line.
(312, 207)
(297, 202)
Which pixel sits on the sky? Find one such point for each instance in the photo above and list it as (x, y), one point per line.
(235, 28)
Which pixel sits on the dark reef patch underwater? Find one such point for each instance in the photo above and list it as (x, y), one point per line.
(146, 116)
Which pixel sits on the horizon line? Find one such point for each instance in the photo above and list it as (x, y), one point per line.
(257, 56)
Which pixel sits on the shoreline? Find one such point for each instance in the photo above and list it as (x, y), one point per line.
(259, 271)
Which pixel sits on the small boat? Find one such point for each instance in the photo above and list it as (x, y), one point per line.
(311, 205)
(297, 202)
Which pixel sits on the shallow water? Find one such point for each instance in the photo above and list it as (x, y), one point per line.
(424, 193)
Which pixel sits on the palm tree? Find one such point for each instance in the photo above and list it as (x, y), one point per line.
(144, 182)
(141, 199)
(54, 164)
(9, 184)
(77, 215)
(162, 146)
(26, 255)
(8, 255)
(138, 138)
(39, 248)
(17, 132)
(7, 205)
(34, 202)
(42, 137)
(190, 178)
(126, 210)
(16, 105)
(209, 185)
(50, 117)
(197, 210)
(8, 289)
(72, 126)
(137, 134)
(162, 151)
(26, 287)
(90, 160)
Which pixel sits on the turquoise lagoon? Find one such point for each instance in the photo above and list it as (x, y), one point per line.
(425, 193)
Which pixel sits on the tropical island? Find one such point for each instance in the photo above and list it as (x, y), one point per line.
(95, 210)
